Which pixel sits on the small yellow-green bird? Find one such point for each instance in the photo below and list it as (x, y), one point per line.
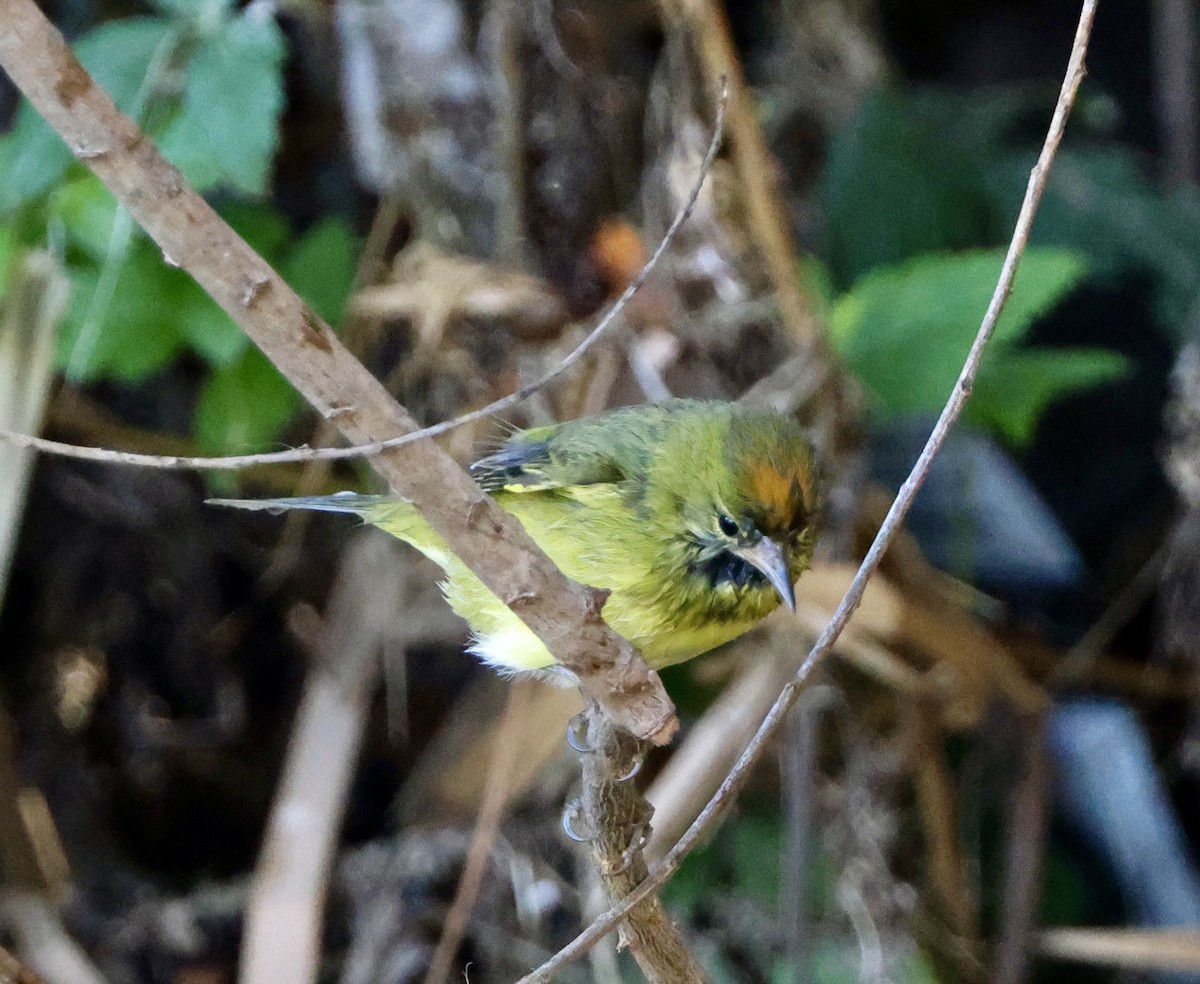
(697, 517)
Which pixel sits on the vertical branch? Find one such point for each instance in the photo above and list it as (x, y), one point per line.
(756, 170)
(618, 817)
(1024, 854)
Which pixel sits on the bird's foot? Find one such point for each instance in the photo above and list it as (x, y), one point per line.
(641, 837)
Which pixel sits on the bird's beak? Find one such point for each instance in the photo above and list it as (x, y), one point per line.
(767, 558)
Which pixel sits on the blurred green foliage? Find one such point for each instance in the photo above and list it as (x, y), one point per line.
(205, 80)
(906, 329)
(939, 170)
(922, 179)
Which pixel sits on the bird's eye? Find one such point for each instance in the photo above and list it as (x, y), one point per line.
(727, 525)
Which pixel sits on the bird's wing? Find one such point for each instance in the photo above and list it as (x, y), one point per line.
(536, 460)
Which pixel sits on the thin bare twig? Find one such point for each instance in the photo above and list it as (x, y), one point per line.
(495, 796)
(566, 616)
(282, 941)
(371, 449)
(1024, 856)
(888, 531)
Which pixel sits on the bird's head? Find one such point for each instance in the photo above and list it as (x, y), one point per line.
(751, 511)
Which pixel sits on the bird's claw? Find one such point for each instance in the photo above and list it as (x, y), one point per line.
(577, 738)
(572, 815)
(635, 766)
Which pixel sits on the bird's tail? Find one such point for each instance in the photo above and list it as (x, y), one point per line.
(339, 502)
(390, 513)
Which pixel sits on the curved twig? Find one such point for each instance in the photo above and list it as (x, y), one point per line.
(891, 526)
(241, 461)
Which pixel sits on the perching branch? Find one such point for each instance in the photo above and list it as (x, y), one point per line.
(733, 783)
(564, 615)
(617, 817)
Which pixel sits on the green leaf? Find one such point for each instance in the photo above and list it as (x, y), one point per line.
(119, 56)
(244, 406)
(128, 57)
(905, 330)
(259, 223)
(321, 267)
(208, 329)
(137, 331)
(7, 249)
(927, 169)
(895, 188)
(228, 129)
(1016, 386)
(147, 318)
(87, 209)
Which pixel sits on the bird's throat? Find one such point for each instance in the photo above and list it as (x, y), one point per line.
(727, 569)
